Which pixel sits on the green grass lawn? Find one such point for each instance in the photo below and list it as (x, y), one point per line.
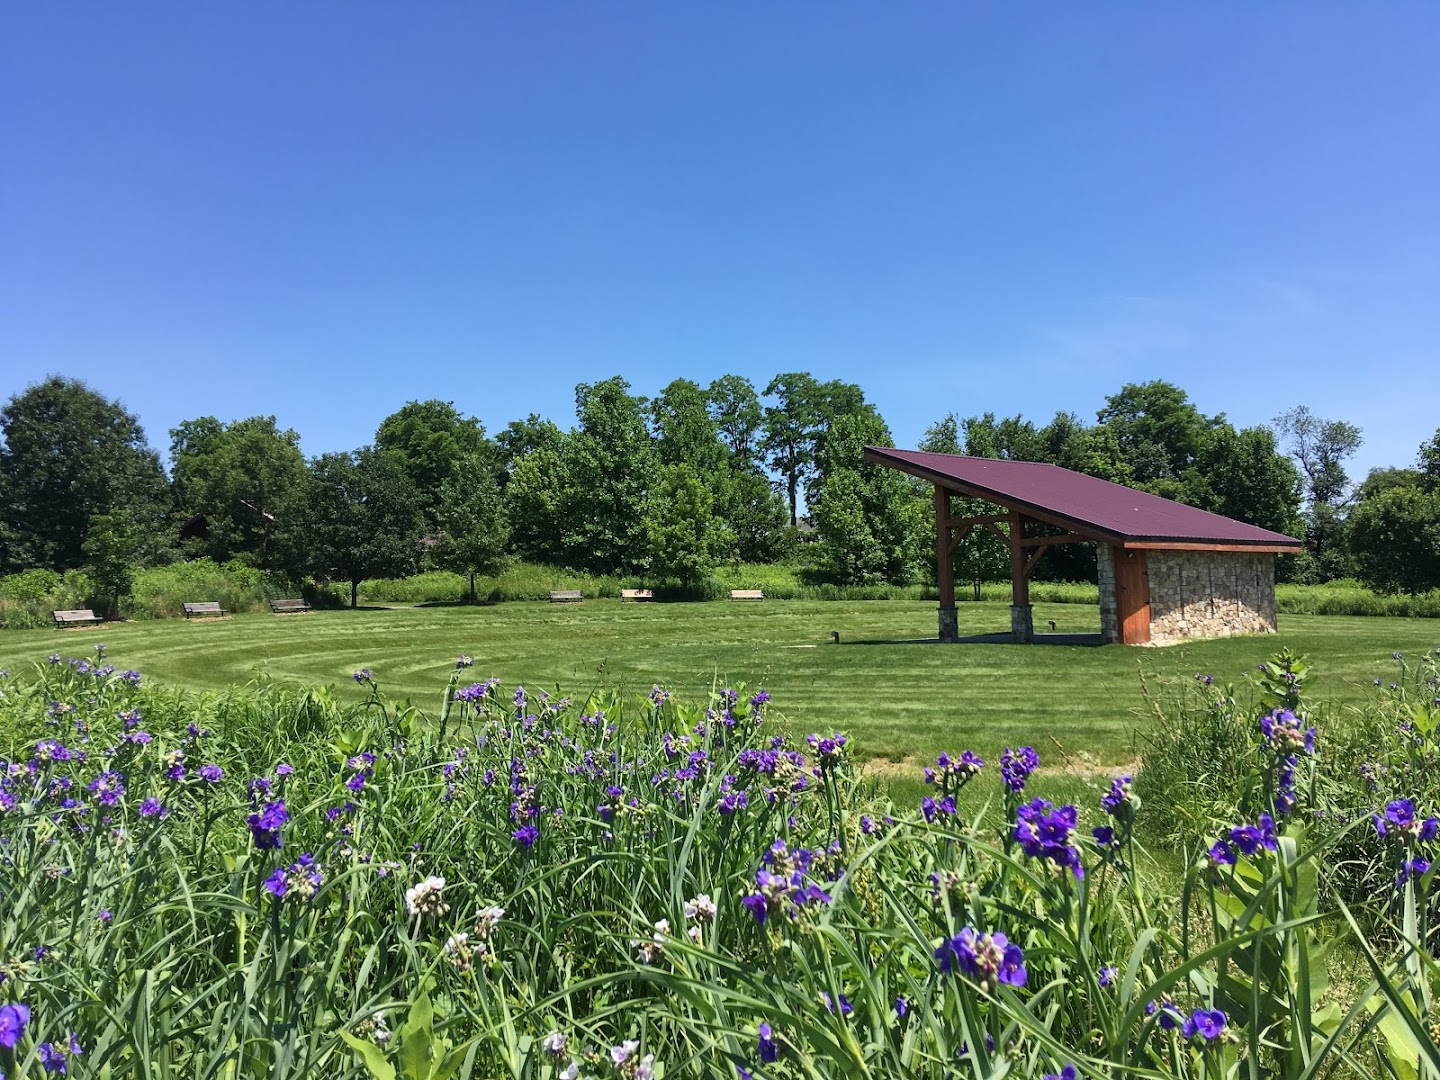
(902, 695)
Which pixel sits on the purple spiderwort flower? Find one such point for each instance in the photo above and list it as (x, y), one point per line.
(1209, 1024)
(13, 1019)
(989, 958)
(769, 1048)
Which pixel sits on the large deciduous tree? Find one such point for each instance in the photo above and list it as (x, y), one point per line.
(68, 456)
(430, 440)
(609, 464)
(474, 528)
(735, 408)
(236, 475)
(1158, 432)
(358, 517)
(788, 437)
(1321, 447)
(682, 532)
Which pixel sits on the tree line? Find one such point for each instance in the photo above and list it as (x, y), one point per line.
(667, 487)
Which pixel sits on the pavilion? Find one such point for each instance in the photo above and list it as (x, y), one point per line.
(1168, 572)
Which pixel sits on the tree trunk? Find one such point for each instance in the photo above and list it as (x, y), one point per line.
(354, 594)
(472, 588)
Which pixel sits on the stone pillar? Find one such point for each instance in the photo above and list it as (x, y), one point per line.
(949, 624)
(1022, 622)
(1109, 609)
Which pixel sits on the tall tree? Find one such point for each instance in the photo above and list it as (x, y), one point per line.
(522, 437)
(980, 556)
(788, 437)
(534, 506)
(69, 455)
(682, 532)
(236, 475)
(1321, 447)
(735, 408)
(1243, 475)
(1396, 538)
(686, 433)
(474, 528)
(1428, 462)
(608, 466)
(430, 440)
(1158, 432)
(358, 517)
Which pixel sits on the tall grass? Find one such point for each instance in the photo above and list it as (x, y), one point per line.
(267, 883)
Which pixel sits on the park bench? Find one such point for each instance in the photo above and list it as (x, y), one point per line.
(566, 596)
(76, 617)
(206, 609)
(746, 594)
(288, 607)
(636, 594)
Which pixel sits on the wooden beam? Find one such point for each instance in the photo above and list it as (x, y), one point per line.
(1033, 559)
(958, 535)
(944, 549)
(977, 519)
(1019, 584)
(994, 528)
(1046, 541)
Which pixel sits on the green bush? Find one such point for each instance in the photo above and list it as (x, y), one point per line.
(27, 599)
(161, 592)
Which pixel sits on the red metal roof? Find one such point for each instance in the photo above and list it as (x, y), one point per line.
(1083, 503)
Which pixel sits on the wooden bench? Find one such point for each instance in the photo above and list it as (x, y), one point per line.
(288, 607)
(566, 596)
(206, 609)
(746, 594)
(76, 617)
(636, 594)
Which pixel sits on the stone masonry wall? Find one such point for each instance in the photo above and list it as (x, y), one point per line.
(1204, 594)
(1109, 609)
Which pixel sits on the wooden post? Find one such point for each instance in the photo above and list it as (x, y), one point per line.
(1022, 619)
(945, 567)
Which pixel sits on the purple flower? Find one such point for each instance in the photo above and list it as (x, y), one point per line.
(1108, 975)
(13, 1019)
(301, 880)
(901, 1006)
(363, 675)
(211, 774)
(265, 825)
(56, 1059)
(989, 958)
(1209, 1024)
(1045, 833)
(1284, 731)
(758, 906)
(769, 1049)
(1412, 868)
(151, 808)
(526, 836)
(1118, 797)
(1251, 838)
(1067, 1073)
(1017, 765)
(1222, 854)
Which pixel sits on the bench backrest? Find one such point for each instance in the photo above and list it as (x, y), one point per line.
(205, 607)
(747, 594)
(559, 596)
(76, 615)
(637, 594)
(289, 605)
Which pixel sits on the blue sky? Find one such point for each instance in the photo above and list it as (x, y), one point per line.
(324, 210)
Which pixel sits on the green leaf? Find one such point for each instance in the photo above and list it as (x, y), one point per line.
(372, 1056)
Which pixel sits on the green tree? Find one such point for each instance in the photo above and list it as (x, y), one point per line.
(236, 475)
(735, 408)
(1243, 475)
(608, 466)
(1321, 447)
(1158, 432)
(474, 529)
(430, 440)
(534, 505)
(357, 517)
(756, 520)
(980, 556)
(113, 548)
(67, 456)
(522, 437)
(686, 433)
(682, 532)
(1429, 463)
(788, 436)
(1396, 538)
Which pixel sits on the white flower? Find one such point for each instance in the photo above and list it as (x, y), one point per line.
(460, 951)
(700, 909)
(623, 1053)
(425, 898)
(571, 1071)
(694, 934)
(487, 919)
(646, 1069)
(554, 1043)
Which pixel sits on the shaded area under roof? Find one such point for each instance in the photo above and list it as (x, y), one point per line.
(1084, 504)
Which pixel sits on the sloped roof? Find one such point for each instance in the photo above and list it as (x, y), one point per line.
(1084, 504)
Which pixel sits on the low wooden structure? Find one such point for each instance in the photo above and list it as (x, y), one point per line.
(288, 607)
(205, 609)
(1167, 571)
(567, 596)
(636, 595)
(76, 617)
(747, 594)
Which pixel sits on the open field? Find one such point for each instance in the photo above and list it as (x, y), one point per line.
(902, 697)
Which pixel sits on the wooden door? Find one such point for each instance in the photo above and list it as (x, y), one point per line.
(1132, 596)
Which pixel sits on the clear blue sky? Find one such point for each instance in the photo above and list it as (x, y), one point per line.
(324, 210)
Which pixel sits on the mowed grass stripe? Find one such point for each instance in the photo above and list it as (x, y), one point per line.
(900, 694)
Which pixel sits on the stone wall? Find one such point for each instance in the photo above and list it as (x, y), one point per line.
(1205, 594)
(1109, 610)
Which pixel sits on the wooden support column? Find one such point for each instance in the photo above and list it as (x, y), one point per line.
(949, 622)
(1022, 617)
